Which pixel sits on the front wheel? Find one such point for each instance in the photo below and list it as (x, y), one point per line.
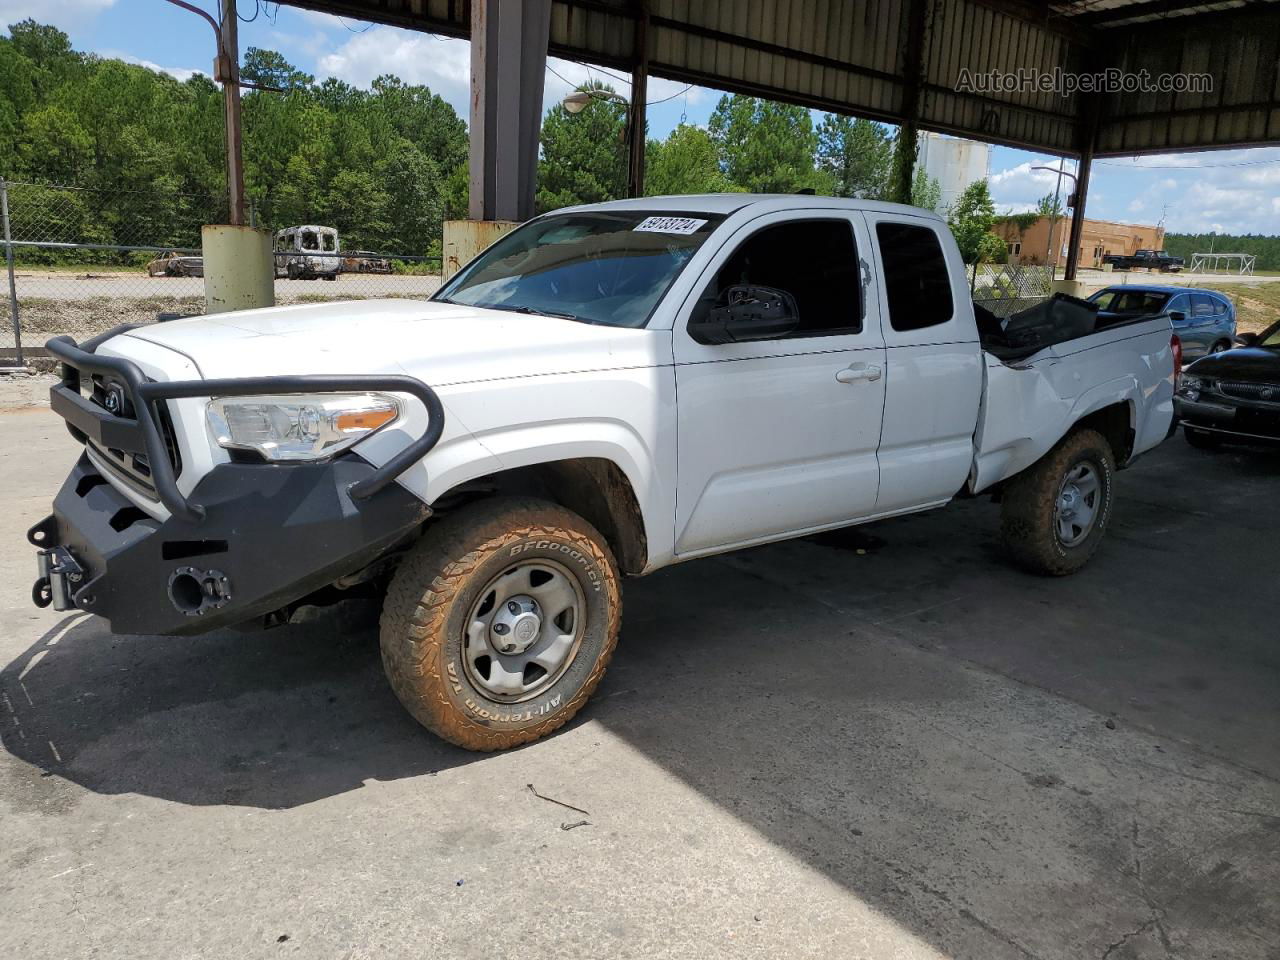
(1054, 513)
(500, 622)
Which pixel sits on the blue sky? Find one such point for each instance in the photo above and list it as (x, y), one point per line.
(1230, 191)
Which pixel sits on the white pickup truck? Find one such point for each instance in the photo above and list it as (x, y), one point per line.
(606, 390)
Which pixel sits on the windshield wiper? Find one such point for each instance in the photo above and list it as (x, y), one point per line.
(532, 312)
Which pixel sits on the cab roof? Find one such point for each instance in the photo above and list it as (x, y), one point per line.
(727, 203)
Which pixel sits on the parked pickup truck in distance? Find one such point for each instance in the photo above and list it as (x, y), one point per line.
(605, 391)
(1151, 259)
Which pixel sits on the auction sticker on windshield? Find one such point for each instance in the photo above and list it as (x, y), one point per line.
(682, 225)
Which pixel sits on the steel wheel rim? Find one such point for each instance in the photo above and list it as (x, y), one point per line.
(543, 610)
(1078, 504)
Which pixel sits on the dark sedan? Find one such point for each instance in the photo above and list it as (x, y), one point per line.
(1233, 395)
(1204, 320)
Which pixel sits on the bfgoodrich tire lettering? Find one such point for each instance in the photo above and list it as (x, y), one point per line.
(435, 594)
(1030, 508)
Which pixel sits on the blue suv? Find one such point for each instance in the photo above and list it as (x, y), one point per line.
(1204, 320)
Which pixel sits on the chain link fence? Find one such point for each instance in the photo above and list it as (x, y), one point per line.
(1006, 288)
(81, 260)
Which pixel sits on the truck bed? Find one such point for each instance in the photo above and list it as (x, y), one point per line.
(1029, 404)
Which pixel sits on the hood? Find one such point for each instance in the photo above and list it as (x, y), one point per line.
(1261, 364)
(441, 343)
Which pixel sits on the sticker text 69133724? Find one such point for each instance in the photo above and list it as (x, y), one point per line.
(682, 225)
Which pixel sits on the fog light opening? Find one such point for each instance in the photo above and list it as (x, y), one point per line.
(186, 593)
(195, 592)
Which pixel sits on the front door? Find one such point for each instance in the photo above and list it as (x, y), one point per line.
(779, 436)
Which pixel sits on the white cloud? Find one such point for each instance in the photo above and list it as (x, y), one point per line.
(326, 20)
(444, 65)
(62, 13)
(178, 73)
(1019, 188)
(1236, 191)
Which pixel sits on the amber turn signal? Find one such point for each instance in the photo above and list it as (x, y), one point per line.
(364, 419)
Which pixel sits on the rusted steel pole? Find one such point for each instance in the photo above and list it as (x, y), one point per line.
(229, 67)
(636, 119)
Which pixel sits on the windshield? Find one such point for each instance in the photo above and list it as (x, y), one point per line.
(1132, 302)
(608, 267)
(1270, 338)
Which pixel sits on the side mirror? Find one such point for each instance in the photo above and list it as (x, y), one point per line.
(1247, 339)
(1176, 316)
(748, 313)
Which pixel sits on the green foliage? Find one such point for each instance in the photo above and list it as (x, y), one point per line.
(584, 155)
(379, 165)
(1022, 221)
(686, 162)
(926, 192)
(1050, 205)
(1265, 248)
(270, 69)
(766, 147)
(857, 154)
(971, 218)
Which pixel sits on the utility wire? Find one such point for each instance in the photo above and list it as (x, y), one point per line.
(648, 103)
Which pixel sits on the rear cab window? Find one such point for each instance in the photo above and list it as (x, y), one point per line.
(916, 281)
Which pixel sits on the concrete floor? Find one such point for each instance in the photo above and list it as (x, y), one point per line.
(803, 750)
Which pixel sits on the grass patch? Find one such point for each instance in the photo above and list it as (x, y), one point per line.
(1257, 307)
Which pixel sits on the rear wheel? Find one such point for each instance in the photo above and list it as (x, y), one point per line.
(499, 624)
(1054, 513)
(1201, 439)
(1222, 346)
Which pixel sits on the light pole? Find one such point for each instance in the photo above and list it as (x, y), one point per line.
(577, 101)
(1071, 203)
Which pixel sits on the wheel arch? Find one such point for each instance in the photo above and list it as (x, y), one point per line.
(595, 488)
(1116, 422)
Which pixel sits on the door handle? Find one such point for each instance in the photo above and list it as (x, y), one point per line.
(858, 371)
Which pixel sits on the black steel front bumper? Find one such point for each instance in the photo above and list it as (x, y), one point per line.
(252, 537)
(270, 535)
(1243, 419)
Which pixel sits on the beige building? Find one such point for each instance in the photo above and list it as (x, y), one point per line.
(1032, 244)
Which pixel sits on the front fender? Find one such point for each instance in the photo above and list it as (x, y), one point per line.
(626, 417)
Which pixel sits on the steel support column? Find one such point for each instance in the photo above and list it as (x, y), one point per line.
(229, 60)
(637, 121)
(913, 75)
(1089, 114)
(508, 60)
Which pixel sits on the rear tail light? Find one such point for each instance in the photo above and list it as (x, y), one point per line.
(1176, 346)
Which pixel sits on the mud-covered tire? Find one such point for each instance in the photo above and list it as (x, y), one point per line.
(430, 602)
(1029, 506)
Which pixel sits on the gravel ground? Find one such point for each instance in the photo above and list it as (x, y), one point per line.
(19, 392)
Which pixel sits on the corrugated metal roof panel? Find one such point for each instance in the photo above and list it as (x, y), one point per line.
(852, 57)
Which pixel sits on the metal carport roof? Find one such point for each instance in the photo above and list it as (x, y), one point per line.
(899, 60)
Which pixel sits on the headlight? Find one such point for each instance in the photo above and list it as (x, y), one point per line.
(1190, 387)
(300, 426)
